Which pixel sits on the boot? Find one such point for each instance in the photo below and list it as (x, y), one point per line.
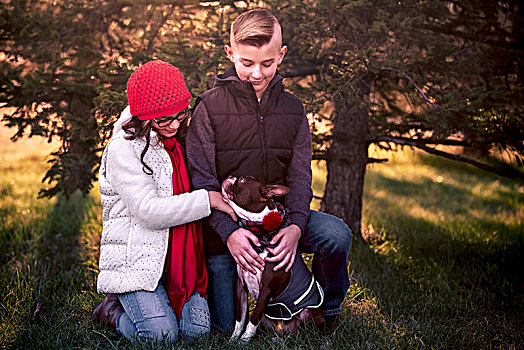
(107, 311)
(332, 323)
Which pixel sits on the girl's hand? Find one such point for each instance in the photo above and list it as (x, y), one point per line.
(217, 202)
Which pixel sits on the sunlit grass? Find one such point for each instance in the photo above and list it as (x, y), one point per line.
(46, 276)
(442, 268)
(445, 253)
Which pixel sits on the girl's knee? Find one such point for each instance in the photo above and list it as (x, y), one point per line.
(194, 332)
(195, 321)
(158, 330)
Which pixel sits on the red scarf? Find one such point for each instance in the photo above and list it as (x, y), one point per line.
(185, 265)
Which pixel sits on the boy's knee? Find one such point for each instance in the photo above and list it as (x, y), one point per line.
(220, 289)
(338, 235)
(223, 319)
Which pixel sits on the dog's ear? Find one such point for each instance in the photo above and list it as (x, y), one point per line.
(275, 190)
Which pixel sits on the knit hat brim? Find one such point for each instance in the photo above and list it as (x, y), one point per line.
(164, 112)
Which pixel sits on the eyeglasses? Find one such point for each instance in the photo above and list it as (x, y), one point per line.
(180, 116)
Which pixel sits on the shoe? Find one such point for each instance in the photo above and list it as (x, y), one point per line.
(107, 311)
(332, 323)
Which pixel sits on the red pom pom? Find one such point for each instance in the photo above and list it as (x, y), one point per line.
(271, 221)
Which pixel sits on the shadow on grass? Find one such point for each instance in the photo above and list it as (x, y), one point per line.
(449, 284)
(50, 265)
(53, 278)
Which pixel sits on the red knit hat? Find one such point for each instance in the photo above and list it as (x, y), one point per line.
(155, 90)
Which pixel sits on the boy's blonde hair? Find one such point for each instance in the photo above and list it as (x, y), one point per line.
(255, 28)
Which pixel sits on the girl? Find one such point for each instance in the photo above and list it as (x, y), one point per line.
(151, 255)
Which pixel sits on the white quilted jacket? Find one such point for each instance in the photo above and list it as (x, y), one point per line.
(138, 210)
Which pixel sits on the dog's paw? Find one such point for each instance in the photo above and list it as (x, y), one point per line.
(251, 329)
(233, 339)
(246, 338)
(236, 333)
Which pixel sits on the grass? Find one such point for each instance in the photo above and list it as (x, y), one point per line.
(443, 267)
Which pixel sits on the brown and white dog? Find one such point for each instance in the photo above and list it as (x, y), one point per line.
(283, 299)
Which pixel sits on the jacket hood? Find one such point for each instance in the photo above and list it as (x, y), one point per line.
(124, 117)
(230, 76)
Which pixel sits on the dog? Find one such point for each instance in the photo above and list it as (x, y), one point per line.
(284, 300)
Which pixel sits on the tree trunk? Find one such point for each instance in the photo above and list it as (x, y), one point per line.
(346, 162)
(83, 140)
(72, 166)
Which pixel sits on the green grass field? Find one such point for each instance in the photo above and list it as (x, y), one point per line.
(443, 267)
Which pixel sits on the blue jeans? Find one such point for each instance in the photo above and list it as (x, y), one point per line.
(149, 316)
(327, 236)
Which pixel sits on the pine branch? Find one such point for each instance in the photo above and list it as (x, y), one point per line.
(474, 37)
(318, 156)
(377, 160)
(376, 139)
(155, 32)
(434, 105)
(301, 70)
(456, 157)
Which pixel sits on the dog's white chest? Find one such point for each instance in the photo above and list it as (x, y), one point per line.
(252, 282)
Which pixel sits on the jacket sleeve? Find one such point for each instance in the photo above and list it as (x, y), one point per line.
(200, 150)
(139, 193)
(299, 176)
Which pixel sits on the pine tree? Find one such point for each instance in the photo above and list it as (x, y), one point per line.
(65, 68)
(384, 72)
(415, 73)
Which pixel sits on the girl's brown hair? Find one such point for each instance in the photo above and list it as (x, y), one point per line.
(136, 128)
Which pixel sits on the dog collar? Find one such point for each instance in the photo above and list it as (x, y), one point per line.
(273, 220)
(244, 214)
(249, 216)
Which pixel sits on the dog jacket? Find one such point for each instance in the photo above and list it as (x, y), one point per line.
(302, 291)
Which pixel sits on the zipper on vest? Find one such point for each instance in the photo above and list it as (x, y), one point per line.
(258, 108)
(264, 142)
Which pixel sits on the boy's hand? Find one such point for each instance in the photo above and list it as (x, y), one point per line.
(286, 250)
(242, 251)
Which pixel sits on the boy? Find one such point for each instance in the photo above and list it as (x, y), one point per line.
(247, 125)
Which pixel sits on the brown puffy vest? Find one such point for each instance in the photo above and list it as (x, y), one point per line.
(251, 139)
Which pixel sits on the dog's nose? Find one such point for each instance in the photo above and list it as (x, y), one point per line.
(231, 178)
(228, 182)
